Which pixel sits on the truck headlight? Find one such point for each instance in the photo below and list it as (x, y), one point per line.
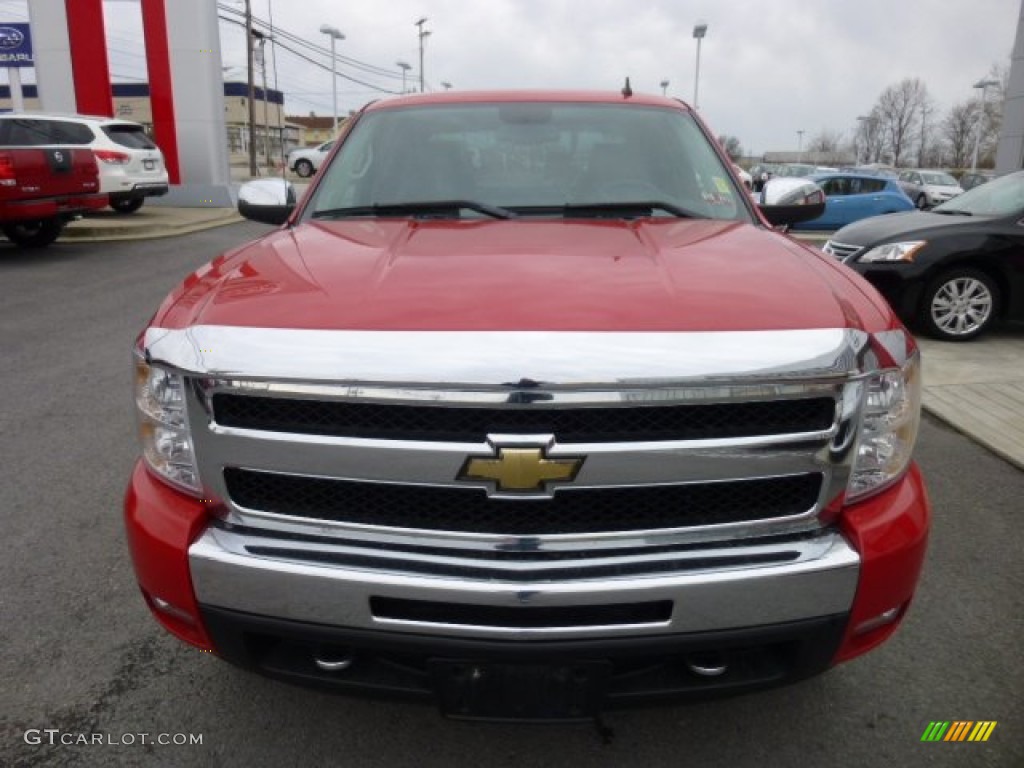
(893, 252)
(892, 414)
(163, 425)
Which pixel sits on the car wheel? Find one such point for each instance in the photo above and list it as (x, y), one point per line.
(959, 305)
(921, 202)
(304, 168)
(126, 204)
(33, 234)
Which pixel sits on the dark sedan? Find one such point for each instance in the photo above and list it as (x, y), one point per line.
(953, 271)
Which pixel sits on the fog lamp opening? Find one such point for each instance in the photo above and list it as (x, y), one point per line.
(885, 617)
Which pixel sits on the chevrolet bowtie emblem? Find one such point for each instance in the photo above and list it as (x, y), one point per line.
(520, 469)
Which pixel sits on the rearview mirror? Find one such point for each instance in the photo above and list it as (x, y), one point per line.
(787, 201)
(270, 201)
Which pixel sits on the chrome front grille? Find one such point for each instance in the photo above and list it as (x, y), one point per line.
(700, 451)
(841, 251)
(470, 510)
(527, 413)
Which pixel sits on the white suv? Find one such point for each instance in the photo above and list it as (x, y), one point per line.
(131, 165)
(305, 162)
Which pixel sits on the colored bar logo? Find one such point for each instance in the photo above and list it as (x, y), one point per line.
(959, 730)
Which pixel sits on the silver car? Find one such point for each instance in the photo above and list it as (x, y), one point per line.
(929, 188)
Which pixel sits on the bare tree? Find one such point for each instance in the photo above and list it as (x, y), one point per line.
(826, 142)
(897, 110)
(732, 147)
(958, 130)
(868, 139)
(826, 146)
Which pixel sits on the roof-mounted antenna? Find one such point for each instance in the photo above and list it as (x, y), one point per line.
(627, 91)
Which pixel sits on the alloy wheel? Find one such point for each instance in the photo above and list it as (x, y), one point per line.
(962, 306)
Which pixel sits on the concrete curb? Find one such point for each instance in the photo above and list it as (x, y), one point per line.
(93, 231)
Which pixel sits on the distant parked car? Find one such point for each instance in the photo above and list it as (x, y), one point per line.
(802, 170)
(306, 162)
(955, 270)
(973, 179)
(850, 197)
(929, 188)
(761, 173)
(746, 178)
(131, 166)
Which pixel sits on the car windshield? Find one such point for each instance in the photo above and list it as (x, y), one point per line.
(939, 179)
(999, 197)
(528, 158)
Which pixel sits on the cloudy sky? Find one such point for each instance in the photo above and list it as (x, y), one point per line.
(768, 67)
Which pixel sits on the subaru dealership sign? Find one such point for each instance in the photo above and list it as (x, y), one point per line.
(15, 45)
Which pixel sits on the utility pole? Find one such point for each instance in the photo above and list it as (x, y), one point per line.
(423, 33)
(253, 170)
(266, 97)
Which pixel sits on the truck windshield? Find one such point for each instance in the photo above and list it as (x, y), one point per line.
(529, 159)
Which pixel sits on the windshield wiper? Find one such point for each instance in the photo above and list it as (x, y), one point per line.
(952, 212)
(610, 210)
(433, 208)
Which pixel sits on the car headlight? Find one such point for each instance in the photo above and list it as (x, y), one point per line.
(893, 251)
(163, 425)
(892, 414)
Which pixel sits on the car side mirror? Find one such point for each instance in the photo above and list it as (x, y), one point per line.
(270, 201)
(786, 201)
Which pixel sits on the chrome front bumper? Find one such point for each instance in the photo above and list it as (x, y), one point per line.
(818, 578)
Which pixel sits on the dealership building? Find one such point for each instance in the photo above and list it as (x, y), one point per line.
(132, 102)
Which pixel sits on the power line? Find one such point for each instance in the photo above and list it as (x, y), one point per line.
(372, 69)
(316, 63)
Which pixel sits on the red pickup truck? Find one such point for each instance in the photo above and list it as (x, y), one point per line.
(527, 410)
(41, 188)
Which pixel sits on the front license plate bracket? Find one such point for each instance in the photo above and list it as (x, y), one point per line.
(565, 692)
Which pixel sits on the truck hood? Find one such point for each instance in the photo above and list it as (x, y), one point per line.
(641, 275)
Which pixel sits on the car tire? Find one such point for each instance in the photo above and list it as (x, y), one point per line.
(33, 234)
(959, 305)
(304, 168)
(126, 204)
(921, 202)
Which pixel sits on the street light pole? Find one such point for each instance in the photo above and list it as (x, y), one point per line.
(699, 31)
(423, 33)
(983, 85)
(800, 146)
(865, 120)
(335, 35)
(405, 67)
(262, 61)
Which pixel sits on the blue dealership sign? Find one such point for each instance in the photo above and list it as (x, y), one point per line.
(15, 45)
